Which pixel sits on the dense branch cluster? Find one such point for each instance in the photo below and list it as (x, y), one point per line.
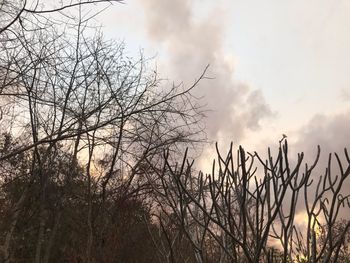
(78, 119)
(248, 208)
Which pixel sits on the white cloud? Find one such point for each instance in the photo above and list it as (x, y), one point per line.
(190, 44)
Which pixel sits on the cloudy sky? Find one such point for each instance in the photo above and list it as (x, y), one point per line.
(276, 66)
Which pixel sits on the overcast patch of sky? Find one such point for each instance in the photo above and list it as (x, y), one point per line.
(296, 52)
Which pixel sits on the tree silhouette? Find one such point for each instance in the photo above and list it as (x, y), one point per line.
(246, 210)
(76, 110)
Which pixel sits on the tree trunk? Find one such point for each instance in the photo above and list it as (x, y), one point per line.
(52, 237)
(8, 237)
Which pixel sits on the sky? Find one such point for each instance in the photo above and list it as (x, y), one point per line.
(275, 66)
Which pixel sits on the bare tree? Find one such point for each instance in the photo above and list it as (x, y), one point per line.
(67, 90)
(248, 211)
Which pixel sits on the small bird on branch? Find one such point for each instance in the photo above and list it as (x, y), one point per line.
(283, 137)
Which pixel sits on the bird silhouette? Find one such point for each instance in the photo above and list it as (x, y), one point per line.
(283, 137)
